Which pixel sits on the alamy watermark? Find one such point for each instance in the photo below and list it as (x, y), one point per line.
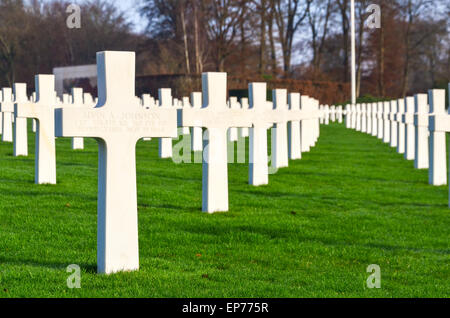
(74, 280)
(374, 280)
(374, 19)
(236, 151)
(74, 19)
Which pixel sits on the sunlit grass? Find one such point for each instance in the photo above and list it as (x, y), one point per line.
(351, 202)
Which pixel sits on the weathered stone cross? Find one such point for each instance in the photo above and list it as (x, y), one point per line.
(117, 122)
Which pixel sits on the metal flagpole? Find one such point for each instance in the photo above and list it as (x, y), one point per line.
(353, 45)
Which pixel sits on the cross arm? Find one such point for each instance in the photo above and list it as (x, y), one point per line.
(208, 118)
(26, 110)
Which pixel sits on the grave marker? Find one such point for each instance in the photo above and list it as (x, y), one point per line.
(294, 137)
(421, 131)
(386, 122)
(217, 118)
(186, 103)
(165, 102)
(408, 120)
(244, 132)
(233, 132)
(43, 111)
(439, 124)
(20, 127)
(279, 132)
(76, 100)
(374, 113)
(197, 132)
(7, 110)
(358, 117)
(394, 126)
(364, 118)
(258, 157)
(401, 126)
(380, 107)
(369, 119)
(117, 122)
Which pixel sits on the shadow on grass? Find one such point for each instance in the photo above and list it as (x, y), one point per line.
(88, 268)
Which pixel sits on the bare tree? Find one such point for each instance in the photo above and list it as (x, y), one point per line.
(318, 20)
(289, 15)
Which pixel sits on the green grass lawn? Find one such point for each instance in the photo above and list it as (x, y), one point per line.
(351, 202)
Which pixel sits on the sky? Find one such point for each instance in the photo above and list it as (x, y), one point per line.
(129, 7)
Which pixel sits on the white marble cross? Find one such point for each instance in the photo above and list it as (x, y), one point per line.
(233, 132)
(7, 109)
(43, 111)
(368, 118)
(262, 120)
(421, 158)
(294, 127)
(20, 126)
(348, 116)
(333, 112)
(279, 143)
(76, 100)
(186, 103)
(358, 117)
(380, 108)
(401, 126)
(386, 122)
(197, 132)
(439, 124)
(33, 121)
(117, 122)
(165, 102)
(307, 127)
(217, 118)
(365, 116)
(327, 114)
(374, 119)
(66, 99)
(244, 132)
(354, 116)
(394, 126)
(408, 120)
(147, 101)
(340, 112)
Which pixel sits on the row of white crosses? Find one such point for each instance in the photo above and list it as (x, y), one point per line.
(416, 126)
(331, 114)
(119, 120)
(15, 107)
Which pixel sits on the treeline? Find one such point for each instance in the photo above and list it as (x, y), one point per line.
(267, 39)
(305, 39)
(34, 37)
